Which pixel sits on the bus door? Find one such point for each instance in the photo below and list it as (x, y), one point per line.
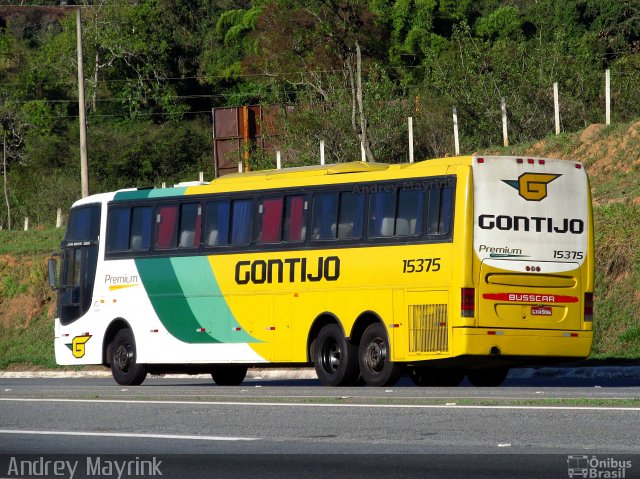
(532, 229)
(79, 259)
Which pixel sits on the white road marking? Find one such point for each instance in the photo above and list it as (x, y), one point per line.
(328, 405)
(129, 434)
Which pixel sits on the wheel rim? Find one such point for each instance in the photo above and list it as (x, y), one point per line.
(375, 355)
(331, 356)
(123, 357)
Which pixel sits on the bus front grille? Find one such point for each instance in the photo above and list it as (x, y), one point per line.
(428, 328)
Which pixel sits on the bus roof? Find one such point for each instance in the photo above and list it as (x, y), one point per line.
(298, 177)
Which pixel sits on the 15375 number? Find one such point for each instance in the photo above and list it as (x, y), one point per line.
(421, 265)
(559, 254)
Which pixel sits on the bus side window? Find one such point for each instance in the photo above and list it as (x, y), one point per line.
(216, 231)
(140, 239)
(324, 216)
(166, 222)
(351, 215)
(295, 219)
(446, 210)
(440, 211)
(118, 229)
(382, 213)
(190, 225)
(270, 220)
(410, 213)
(241, 222)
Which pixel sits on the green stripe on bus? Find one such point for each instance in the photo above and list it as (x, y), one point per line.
(187, 299)
(150, 193)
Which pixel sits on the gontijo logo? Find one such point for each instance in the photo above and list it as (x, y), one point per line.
(532, 186)
(77, 345)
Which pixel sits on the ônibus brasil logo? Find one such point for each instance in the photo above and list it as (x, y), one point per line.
(532, 186)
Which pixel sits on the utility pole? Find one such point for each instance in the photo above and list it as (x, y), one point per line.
(4, 168)
(84, 166)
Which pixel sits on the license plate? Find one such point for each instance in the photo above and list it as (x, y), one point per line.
(541, 311)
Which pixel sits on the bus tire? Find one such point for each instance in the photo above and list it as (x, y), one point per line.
(487, 377)
(426, 376)
(124, 368)
(229, 375)
(374, 357)
(335, 358)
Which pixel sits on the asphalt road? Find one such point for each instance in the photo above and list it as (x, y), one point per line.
(298, 428)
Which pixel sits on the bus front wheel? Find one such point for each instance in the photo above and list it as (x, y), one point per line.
(124, 368)
(335, 358)
(374, 357)
(229, 375)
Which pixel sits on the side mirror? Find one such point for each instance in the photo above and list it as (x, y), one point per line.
(53, 274)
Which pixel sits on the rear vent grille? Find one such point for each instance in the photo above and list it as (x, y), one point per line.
(428, 328)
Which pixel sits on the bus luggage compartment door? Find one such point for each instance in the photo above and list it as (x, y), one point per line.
(515, 298)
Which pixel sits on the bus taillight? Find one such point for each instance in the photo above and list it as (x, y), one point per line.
(588, 306)
(468, 302)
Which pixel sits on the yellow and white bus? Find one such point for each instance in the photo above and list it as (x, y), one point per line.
(444, 268)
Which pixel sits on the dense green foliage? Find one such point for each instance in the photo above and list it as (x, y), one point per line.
(155, 68)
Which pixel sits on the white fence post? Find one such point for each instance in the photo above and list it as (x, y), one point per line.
(505, 135)
(607, 94)
(456, 141)
(202, 177)
(240, 167)
(59, 218)
(26, 223)
(278, 160)
(410, 125)
(322, 152)
(363, 156)
(556, 107)
(164, 184)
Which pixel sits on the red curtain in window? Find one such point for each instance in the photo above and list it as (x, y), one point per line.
(271, 220)
(166, 228)
(296, 213)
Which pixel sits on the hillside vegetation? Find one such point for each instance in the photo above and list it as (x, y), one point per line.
(611, 156)
(343, 71)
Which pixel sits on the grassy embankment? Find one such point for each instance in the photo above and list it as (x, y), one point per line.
(27, 305)
(611, 156)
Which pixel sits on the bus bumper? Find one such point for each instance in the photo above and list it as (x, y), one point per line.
(521, 342)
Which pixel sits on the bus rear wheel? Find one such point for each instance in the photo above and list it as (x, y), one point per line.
(335, 358)
(487, 377)
(374, 356)
(426, 376)
(124, 368)
(229, 375)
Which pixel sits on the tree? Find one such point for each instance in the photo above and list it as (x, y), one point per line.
(306, 43)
